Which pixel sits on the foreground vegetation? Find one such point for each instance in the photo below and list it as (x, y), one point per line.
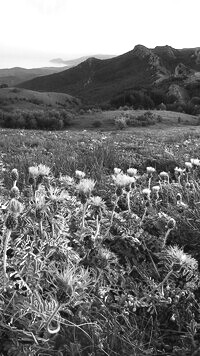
(100, 242)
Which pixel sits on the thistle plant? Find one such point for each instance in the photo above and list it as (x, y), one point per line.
(150, 171)
(14, 210)
(164, 176)
(98, 207)
(155, 190)
(85, 188)
(14, 176)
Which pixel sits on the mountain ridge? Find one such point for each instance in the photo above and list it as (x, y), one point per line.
(96, 80)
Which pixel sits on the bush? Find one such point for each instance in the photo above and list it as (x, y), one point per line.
(97, 123)
(40, 119)
(142, 120)
(121, 123)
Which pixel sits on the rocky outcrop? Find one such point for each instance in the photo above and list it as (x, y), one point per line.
(153, 60)
(178, 92)
(182, 71)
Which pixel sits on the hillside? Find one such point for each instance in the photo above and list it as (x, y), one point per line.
(15, 98)
(16, 75)
(98, 81)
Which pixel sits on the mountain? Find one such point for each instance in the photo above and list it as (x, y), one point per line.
(98, 81)
(13, 76)
(74, 62)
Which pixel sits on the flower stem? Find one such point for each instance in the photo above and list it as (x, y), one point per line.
(83, 216)
(7, 237)
(165, 238)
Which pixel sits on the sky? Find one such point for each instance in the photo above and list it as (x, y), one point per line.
(35, 31)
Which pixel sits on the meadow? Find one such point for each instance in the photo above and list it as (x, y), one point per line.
(100, 244)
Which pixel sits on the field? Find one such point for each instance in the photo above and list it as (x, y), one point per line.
(98, 258)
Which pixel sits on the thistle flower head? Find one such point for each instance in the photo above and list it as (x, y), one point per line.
(43, 170)
(188, 165)
(97, 201)
(132, 172)
(155, 188)
(195, 161)
(178, 256)
(33, 172)
(122, 180)
(178, 170)
(15, 207)
(79, 174)
(150, 170)
(146, 192)
(164, 175)
(117, 171)
(86, 186)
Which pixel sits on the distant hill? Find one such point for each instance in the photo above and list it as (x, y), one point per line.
(15, 98)
(74, 62)
(16, 75)
(174, 71)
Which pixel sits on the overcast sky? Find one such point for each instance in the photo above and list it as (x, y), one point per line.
(35, 31)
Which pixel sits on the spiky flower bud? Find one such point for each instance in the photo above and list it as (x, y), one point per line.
(178, 197)
(171, 224)
(14, 192)
(119, 191)
(14, 175)
(11, 222)
(187, 186)
(39, 213)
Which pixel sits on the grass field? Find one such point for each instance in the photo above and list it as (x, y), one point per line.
(95, 261)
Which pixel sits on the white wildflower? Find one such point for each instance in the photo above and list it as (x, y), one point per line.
(195, 161)
(79, 174)
(150, 170)
(132, 172)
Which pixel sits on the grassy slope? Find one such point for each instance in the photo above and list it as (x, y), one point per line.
(26, 99)
(107, 118)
